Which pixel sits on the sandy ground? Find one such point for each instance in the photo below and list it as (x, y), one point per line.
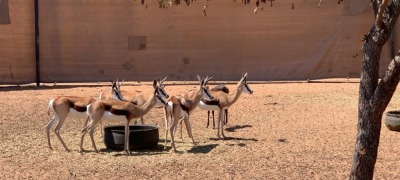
(282, 131)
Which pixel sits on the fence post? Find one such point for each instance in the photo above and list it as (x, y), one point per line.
(37, 42)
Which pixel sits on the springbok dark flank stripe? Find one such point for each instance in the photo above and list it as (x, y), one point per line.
(214, 102)
(116, 111)
(185, 108)
(79, 108)
(221, 87)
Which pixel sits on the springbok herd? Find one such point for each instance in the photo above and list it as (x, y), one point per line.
(119, 105)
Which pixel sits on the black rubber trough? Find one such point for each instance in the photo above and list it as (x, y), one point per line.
(392, 120)
(140, 137)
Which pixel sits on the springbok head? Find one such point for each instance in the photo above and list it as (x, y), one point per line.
(161, 87)
(243, 83)
(116, 91)
(204, 90)
(160, 97)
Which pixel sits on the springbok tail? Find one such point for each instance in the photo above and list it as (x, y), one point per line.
(87, 108)
(50, 106)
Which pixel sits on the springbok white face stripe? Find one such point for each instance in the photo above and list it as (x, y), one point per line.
(207, 93)
(162, 91)
(247, 89)
(161, 101)
(119, 95)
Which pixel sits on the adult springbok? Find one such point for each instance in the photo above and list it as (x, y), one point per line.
(223, 101)
(71, 107)
(219, 87)
(135, 97)
(119, 110)
(179, 109)
(224, 89)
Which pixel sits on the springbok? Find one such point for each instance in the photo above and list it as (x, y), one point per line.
(223, 101)
(72, 107)
(179, 109)
(136, 97)
(219, 87)
(224, 89)
(119, 110)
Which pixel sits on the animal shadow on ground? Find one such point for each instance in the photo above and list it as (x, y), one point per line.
(202, 149)
(236, 127)
(233, 129)
(235, 138)
(159, 149)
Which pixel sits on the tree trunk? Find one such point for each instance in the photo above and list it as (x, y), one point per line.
(369, 117)
(373, 101)
(374, 95)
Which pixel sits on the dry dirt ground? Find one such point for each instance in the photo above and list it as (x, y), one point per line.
(293, 130)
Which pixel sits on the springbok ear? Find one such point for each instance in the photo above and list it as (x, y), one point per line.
(154, 83)
(155, 90)
(199, 78)
(113, 85)
(112, 82)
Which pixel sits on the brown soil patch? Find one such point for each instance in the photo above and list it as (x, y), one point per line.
(282, 131)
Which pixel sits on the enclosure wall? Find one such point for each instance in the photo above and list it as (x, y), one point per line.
(98, 40)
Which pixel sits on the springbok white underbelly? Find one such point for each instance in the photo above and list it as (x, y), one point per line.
(76, 114)
(207, 107)
(107, 116)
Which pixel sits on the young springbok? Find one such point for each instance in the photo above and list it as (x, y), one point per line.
(119, 110)
(223, 101)
(72, 107)
(179, 109)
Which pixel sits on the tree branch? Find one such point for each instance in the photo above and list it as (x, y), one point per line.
(375, 6)
(388, 84)
(387, 22)
(382, 7)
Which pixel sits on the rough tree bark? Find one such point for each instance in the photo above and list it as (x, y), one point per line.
(374, 94)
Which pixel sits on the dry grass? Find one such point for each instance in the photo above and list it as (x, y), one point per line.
(282, 131)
